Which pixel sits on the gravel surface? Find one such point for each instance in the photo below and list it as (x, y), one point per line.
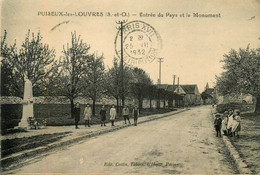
(181, 143)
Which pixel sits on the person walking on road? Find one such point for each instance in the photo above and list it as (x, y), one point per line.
(217, 124)
(76, 112)
(224, 123)
(87, 115)
(103, 115)
(126, 114)
(236, 127)
(112, 115)
(135, 114)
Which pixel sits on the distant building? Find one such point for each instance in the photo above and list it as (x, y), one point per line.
(188, 94)
(208, 95)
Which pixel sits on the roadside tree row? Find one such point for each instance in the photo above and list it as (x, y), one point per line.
(76, 73)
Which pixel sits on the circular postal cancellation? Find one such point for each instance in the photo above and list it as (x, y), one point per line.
(141, 43)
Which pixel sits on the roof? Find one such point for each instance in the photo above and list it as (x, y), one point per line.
(189, 89)
(163, 86)
(209, 91)
(186, 89)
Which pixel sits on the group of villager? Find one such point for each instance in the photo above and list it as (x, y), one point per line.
(229, 123)
(103, 112)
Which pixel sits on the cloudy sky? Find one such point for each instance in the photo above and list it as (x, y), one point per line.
(191, 47)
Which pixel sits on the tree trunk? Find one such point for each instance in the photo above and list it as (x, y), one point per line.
(123, 100)
(140, 104)
(164, 102)
(150, 104)
(257, 107)
(72, 108)
(94, 107)
(158, 101)
(117, 104)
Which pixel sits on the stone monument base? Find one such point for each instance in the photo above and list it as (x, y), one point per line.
(23, 124)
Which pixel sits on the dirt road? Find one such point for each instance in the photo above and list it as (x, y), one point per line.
(181, 143)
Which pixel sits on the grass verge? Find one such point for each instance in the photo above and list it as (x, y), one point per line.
(248, 143)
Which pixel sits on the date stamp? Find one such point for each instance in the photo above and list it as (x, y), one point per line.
(141, 43)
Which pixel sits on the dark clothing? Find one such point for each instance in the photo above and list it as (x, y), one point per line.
(218, 121)
(135, 120)
(76, 112)
(217, 124)
(135, 114)
(87, 123)
(218, 130)
(126, 117)
(103, 114)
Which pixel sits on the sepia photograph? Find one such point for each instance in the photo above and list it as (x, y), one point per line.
(130, 87)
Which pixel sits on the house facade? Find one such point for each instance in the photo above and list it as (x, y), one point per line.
(187, 95)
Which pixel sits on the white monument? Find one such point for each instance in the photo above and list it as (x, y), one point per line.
(27, 105)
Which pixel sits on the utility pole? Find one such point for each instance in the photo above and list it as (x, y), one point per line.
(178, 90)
(174, 77)
(160, 60)
(122, 60)
(173, 83)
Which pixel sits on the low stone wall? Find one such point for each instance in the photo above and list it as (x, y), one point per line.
(55, 114)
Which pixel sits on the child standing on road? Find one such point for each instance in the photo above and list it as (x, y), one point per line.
(76, 112)
(126, 114)
(135, 114)
(224, 123)
(230, 121)
(236, 127)
(217, 124)
(87, 115)
(112, 115)
(103, 115)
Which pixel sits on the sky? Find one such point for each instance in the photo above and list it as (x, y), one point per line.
(192, 47)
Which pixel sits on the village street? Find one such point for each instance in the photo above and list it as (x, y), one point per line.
(181, 143)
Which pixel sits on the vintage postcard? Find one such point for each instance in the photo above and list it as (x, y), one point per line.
(130, 86)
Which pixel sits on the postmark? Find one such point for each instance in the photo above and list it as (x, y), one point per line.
(141, 43)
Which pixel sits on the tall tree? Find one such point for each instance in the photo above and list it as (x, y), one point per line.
(6, 71)
(73, 69)
(242, 73)
(113, 85)
(33, 60)
(140, 85)
(94, 81)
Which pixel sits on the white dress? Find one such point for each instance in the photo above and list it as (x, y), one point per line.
(87, 113)
(230, 122)
(112, 114)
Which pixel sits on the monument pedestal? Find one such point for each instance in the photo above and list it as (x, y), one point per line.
(27, 112)
(23, 124)
(27, 105)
